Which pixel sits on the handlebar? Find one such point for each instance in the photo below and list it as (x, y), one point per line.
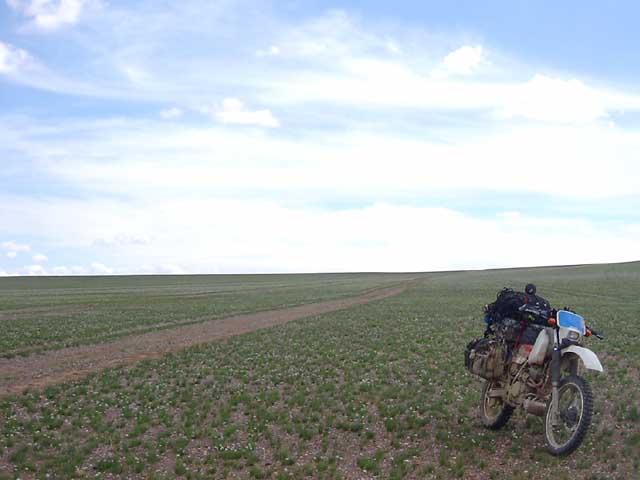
(598, 335)
(531, 309)
(542, 316)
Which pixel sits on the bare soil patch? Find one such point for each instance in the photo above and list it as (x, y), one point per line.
(57, 366)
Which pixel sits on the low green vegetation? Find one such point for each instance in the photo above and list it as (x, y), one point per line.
(376, 391)
(48, 313)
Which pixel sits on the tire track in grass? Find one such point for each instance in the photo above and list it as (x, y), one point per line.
(57, 366)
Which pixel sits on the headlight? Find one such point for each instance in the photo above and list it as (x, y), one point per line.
(573, 335)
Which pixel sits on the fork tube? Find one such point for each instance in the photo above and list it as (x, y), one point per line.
(556, 358)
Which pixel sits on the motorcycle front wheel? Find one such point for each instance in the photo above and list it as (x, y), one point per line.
(493, 411)
(565, 429)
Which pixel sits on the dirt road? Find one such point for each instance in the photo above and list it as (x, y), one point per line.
(57, 366)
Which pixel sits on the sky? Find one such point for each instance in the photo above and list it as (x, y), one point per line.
(239, 136)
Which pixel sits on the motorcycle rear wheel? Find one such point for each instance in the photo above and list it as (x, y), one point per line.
(565, 431)
(494, 413)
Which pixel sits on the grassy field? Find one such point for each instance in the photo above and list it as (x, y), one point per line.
(46, 313)
(376, 391)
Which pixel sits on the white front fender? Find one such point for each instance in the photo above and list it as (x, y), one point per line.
(589, 358)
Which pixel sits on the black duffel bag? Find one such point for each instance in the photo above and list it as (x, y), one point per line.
(508, 303)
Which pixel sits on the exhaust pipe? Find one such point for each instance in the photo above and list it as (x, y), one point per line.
(535, 408)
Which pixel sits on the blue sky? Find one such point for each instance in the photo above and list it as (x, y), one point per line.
(243, 136)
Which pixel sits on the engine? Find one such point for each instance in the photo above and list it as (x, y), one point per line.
(526, 380)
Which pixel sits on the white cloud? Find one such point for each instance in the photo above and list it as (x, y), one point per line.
(336, 35)
(549, 99)
(101, 269)
(197, 203)
(15, 247)
(272, 51)
(341, 63)
(23, 68)
(72, 270)
(40, 258)
(368, 121)
(171, 113)
(233, 111)
(164, 269)
(509, 215)
(135, 74)
(61, 270)
(331, 60)
(393, 47)
(33, 270)
(94, 268)
(122, 239)
(384, 84)
(50, 15)
(382, 236)
(242, 162)
(13, 59)
(465, 60)
(97, 269)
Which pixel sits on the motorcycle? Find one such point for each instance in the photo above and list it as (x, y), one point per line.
(542, 378)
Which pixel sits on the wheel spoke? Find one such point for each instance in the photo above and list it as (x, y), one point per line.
(494, 412)
(563, 425)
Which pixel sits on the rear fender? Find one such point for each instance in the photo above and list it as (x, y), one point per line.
(589, 359)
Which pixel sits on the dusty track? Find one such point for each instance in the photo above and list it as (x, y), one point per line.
(57, 366)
